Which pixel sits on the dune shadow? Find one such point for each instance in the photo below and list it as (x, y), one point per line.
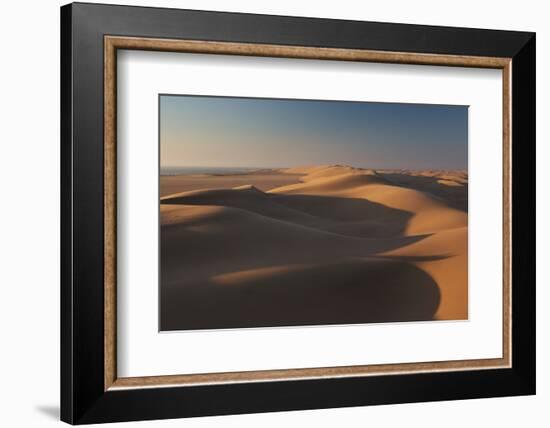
(348, 292)
(356, 217)
(454, 197)
(275, 259)
(349, 216)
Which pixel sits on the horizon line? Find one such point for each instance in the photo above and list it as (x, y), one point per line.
(255, 167)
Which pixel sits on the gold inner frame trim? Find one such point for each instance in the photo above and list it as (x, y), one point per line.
(113, 43)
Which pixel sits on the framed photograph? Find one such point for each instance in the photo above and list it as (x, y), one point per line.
(265, 213)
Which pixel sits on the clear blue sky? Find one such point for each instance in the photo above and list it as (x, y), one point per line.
(254, 132)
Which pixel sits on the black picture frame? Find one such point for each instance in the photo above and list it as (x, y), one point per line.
(83, 396)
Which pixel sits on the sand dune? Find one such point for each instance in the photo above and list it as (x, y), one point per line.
(451, 183)
(428, 214)
(337, 245)
(245, 197)
(449, 186)
(343, 182)
(263, 180)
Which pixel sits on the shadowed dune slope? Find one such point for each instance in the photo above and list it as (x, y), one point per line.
(356, 217)
(450, 186)
(428, 214)
(343, 245)
(450, 272)
(367, 291)
(246, 197)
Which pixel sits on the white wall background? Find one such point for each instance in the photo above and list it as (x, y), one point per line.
(29, 214)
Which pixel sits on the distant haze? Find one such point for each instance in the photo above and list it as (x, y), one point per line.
(228, 132)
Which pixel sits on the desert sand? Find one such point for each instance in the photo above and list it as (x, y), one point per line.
(313, 245)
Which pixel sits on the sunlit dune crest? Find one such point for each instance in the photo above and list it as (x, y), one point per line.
(329, 244)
